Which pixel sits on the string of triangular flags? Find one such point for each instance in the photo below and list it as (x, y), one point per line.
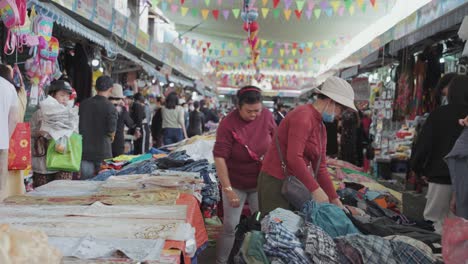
(303, 9)
(280, 63)
(266, 47)
(277, 81)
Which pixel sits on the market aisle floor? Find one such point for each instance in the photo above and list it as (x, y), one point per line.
(208, 256)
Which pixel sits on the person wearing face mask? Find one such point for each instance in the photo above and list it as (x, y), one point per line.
(60, 91)
(242, 139)
(302, 138)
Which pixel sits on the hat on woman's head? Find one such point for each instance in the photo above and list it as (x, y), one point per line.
(117, 92)
(60, 85)
(339, 91)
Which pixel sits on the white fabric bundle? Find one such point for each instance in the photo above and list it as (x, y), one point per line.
(59, 120)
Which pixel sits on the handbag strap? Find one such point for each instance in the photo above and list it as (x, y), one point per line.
(283, 162)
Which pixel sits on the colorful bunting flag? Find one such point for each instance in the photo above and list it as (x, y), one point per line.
(220, 2)
(269, 51)
(226, 14)
(287, 4)
(164, 6)
(215, 13)
(317, 13)
(276, 13)
(264, 2)
(182, 2)
(360, 3)
(335, 4)
(300, 4)
(348, 3)
(184, 10)
(287, 14)
(364, 7)
(341, 11)
(324, 5)
(174, 8)
(275, 3)
(298, 14)
(373, 3)
(329, 11)
(207, 2)
(281, 52)
(265, 12)
(310, 5)
(205, 13)
(351, 10)
(236, 12)
(308, 14)
(194, 12)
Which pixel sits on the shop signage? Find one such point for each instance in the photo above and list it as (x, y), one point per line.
(132, 30)
(66, 3)
(143, 41)
(85, 8)
(361, 89)
(119, 24)
(104, 14)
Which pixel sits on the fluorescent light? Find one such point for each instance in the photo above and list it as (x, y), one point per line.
(95, 62)
(442, 60)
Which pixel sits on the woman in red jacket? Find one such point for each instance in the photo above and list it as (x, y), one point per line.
(242, 139)
(303, 142)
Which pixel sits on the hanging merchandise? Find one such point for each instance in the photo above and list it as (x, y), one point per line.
(249, 15)
(13, 15)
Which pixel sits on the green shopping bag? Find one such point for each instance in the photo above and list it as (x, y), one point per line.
(70, 160)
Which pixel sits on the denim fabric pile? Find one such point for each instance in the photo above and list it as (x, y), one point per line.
(176, 161)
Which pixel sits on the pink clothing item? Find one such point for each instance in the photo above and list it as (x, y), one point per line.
(299, 138)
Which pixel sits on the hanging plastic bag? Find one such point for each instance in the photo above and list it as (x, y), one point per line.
(455, 240)
(70, 160)
(19, 153)
(61, 145)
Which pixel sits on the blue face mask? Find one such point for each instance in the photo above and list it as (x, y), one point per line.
(328, 118)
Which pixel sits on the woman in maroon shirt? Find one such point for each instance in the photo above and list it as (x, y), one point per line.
(242, 139)
(303, 141)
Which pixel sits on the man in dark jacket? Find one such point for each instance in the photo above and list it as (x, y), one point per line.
(138, 115)
(98, 122)
(124, 119)
(196, 120)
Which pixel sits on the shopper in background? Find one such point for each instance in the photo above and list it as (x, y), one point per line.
(128, 99)
(242, 139)
(15, 184)
(173, 122)
(208, 110)
(196, 121)
(442, 88)
(138, 115)
(98, 123)
(60, 91)
(8, 120)
(435, 141)
(349, 137)
(124, 119)
(156, 125)
(279, 113)
(303, 140)
(186, 113)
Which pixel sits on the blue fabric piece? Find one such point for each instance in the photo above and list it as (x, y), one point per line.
(144, 167)
(372, 195)
(155, 151)
(104, 175)
(330, 218)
